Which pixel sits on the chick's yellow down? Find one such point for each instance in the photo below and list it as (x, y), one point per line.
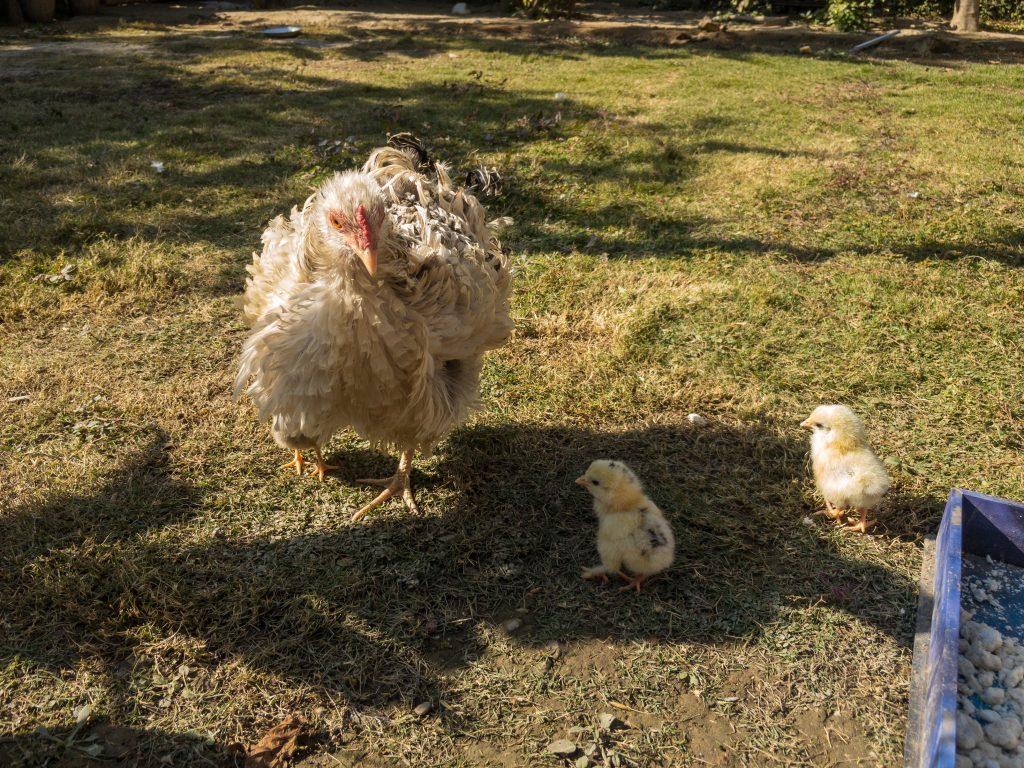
(632, 533)
(847, 472)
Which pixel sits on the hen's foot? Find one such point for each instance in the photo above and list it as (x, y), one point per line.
(633, 582)
(297, 462)
(322, 467)
(399, 485)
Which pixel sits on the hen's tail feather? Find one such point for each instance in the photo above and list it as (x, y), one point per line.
(406, 140)
(483, 182)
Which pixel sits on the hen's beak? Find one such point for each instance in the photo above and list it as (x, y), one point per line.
(581, 480)
(369, 258)
(807, 423)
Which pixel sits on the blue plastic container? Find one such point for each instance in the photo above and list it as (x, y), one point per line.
(976, 524)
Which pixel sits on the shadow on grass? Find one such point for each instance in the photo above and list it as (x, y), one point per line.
(263, 124)
(98, 743)
(375, 613)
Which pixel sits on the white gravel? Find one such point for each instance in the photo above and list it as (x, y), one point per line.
(991, 670)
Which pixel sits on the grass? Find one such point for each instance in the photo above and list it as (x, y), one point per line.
(740, 234)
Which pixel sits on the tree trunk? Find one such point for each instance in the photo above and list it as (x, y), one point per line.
(965, 16)
(14, 12)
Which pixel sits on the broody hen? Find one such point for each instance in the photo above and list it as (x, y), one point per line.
(847, 472)
(372, 307)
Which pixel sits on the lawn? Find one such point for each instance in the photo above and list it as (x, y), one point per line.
(735, 233)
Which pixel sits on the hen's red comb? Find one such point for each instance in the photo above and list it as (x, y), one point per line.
(364, 228)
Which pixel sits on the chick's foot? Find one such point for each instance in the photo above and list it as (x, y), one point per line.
(298, 463)
(633, 582)
(831, 512)
(398, 485)
(863, 525)
(597, 573)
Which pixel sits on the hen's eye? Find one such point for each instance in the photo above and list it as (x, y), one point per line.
(595, 482)
(337, 220)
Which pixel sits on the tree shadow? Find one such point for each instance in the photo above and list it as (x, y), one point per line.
(163, 107)
(373, 614)
(97, 742)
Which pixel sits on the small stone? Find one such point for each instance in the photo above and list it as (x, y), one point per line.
(460, 9)
(805, 49)
(560, 96)
(582, 761)
(608, 721)
(423, 708)
(511, 625)
(697, 420)
(561, 747)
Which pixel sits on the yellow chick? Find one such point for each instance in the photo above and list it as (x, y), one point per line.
(847, 472)
(632, 533)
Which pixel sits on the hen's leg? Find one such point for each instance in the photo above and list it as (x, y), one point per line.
(864, 523)
(297, 462)
(397, 485)
(321, 465)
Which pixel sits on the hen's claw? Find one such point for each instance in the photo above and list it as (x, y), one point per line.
(400, 483)
(297, 462)
(322, 467)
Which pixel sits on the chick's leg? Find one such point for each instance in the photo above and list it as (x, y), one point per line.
(297, 462)
(831, 512)
(632, 582)
(864, 523)
(598, 572)
(397, 485)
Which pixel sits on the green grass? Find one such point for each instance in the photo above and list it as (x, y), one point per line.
(724, 232)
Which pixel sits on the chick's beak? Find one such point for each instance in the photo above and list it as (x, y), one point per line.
(369, 258)
(807, 424)
(581, 480)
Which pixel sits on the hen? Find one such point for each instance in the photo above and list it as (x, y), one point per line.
(371, 307)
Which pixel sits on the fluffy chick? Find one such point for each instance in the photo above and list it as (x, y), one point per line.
(632, 533)
(847, 472)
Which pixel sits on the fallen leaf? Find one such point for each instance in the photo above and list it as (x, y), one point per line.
(279, 744)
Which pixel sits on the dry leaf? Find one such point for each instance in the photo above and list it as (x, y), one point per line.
(279, 744)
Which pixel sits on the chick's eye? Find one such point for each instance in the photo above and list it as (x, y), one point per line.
(595, 482)
(818, 425)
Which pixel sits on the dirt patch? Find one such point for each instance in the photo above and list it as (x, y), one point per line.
(588, 659)
(709, 737)
(835, 738)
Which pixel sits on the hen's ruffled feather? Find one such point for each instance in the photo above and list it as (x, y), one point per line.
(397, 355)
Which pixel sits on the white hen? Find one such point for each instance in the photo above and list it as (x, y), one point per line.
(372, 307)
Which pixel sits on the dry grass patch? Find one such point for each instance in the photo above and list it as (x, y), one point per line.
(720, 232)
